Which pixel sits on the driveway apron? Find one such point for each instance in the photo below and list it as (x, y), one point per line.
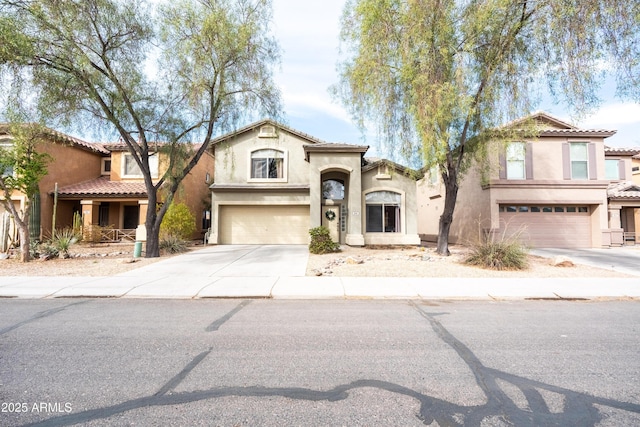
(624, 259)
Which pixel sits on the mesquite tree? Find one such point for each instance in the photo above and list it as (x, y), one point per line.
(176, 72)
(438, 76)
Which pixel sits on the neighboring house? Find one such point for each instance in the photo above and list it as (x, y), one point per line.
(103, 183)
(562, 188)
(623, 193)
(273, 183)
(73, 160)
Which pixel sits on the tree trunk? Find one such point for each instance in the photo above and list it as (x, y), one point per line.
(451, 195)
(153, 234)
(23, 232)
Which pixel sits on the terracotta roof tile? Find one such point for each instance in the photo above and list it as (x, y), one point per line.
(622, 150)
(624, 190)
(103, 187)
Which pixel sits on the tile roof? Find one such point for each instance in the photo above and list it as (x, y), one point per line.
(629, 151)
(624, 190)
(103, 187)
(64, 138)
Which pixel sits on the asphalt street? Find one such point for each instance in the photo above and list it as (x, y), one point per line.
(249, 362)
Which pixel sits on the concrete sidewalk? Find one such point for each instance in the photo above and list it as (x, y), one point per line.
(134, 285)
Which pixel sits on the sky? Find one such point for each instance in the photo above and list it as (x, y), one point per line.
(308, 33)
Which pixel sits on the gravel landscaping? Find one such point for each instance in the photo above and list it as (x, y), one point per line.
(110, 259)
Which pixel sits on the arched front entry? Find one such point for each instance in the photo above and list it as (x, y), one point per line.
(335, 202)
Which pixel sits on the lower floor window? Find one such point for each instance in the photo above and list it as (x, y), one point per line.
(383, 212)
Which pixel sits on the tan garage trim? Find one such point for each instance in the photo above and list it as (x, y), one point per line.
(264, 224)
(556, 226)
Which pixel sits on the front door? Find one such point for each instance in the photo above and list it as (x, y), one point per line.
(331, 220)
(131, 218)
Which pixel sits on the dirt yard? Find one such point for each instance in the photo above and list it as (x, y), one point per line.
(424, 262)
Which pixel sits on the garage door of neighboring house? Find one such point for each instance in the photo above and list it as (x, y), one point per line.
(548, 226)
(269, 224)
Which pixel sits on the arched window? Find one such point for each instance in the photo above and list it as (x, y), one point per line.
(267, 164)
(333, 189)
(383, 212)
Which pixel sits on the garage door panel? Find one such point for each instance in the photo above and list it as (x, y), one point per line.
(269, 224)
(549, 229)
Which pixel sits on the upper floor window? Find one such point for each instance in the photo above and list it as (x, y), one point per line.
(579, 160)
(267, 164)
(516, 153)
(130, 168)
(106, 166)
(383, 212)
(612, 169)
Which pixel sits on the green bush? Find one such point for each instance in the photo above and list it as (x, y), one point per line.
(321, 242)
(178, 222)
(173, 244)
(501, 255)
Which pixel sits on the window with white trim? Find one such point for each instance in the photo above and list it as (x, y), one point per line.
(579, 160)
(383, 212)
(267, 164)
(130, 168)
(516, 153)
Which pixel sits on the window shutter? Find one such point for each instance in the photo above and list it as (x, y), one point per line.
(528, 161)
(622, 170)
(593, 170)
(566, 160)
(502, 158)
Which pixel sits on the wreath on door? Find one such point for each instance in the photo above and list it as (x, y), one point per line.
(330, 215)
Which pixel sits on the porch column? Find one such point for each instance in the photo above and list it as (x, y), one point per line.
(90, 211)
(141, 230)
(354, 214)
(615, 226)
(614, 216)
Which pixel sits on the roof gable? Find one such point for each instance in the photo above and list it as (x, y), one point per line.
(544, 124)
(267, 122)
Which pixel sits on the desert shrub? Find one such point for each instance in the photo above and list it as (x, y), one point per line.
(62, 240)
(498, 255)
(178, 222)
(47, 251)
(173, 244)
(321, 242)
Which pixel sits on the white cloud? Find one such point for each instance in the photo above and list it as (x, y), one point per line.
(613, 115)
(308, 35)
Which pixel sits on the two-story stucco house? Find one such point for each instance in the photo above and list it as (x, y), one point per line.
(273, 183)
(103, 183)
(623, 193)
(553, 190)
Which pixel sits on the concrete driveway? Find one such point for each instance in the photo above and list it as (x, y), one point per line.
(233, 261)
(625, 259)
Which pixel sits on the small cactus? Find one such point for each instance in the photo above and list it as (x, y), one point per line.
(5, 227)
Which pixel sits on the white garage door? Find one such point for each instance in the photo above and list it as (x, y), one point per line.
(258, 225)
(548, 226)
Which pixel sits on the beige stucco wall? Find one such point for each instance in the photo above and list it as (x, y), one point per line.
(350, 164)
(233, 158)
(388, 179)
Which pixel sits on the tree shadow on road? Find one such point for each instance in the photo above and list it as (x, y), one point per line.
(575, 408)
